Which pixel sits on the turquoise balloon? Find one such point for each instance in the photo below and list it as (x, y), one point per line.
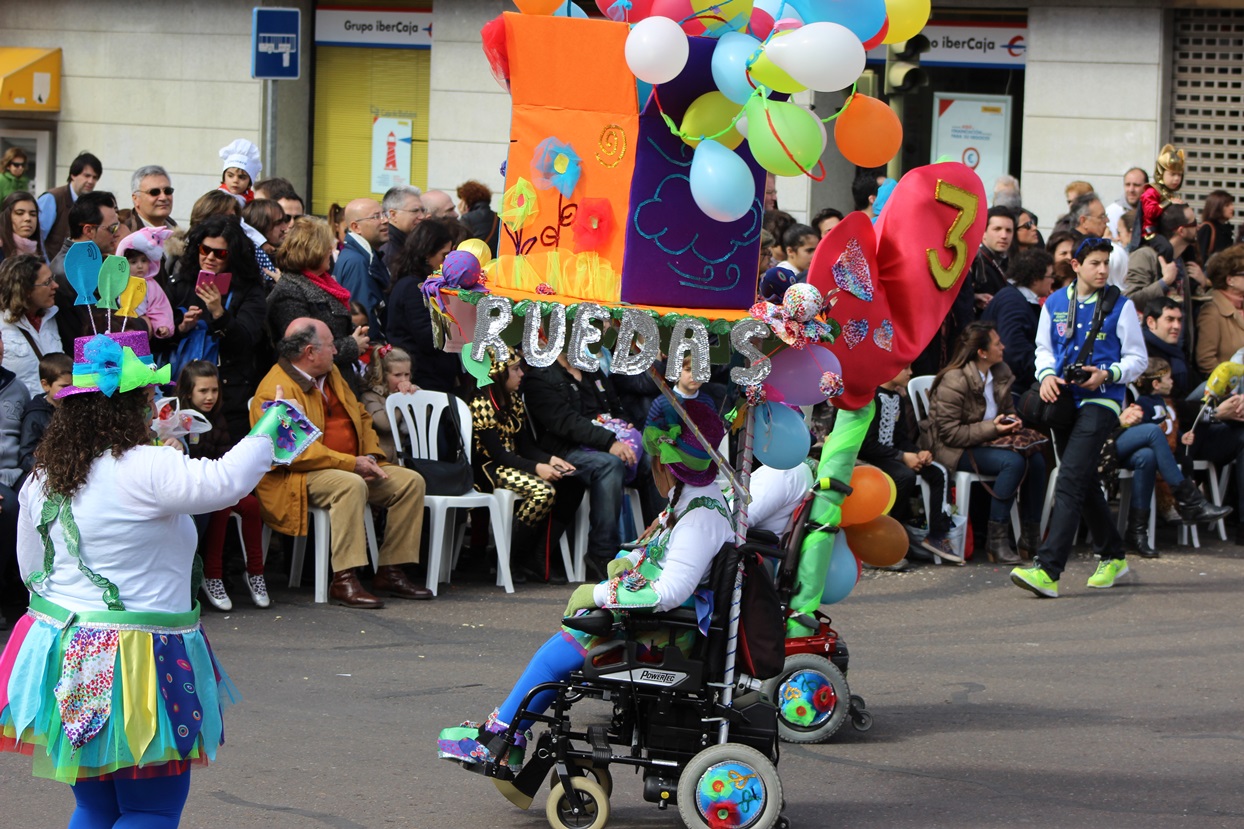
(843, 572)
(782, 438)
(569, 9)
(863, 17)
(721, 182)
(729, 65)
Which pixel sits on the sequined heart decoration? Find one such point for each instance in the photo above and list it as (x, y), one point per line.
(851, 272)
(854, 332)
(883, 335)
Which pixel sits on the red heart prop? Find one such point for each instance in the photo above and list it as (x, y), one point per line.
(925, 240)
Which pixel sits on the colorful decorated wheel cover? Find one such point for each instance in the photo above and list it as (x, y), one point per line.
(811, 690)
(731, 795)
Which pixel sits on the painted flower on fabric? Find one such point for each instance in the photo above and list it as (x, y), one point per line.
(519, 205)
(593, 223)
(556, 165)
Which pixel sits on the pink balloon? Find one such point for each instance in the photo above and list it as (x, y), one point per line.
(786, 24)
(796, 374)
(639, 10)
(761, 24)
(678, 11)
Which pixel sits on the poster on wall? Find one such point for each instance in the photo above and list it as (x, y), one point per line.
(390, 152)
(974, 130)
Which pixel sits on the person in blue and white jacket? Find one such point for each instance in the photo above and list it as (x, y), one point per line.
(1117, 358)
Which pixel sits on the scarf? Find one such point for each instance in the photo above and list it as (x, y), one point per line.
(24, 245)
(332, 286)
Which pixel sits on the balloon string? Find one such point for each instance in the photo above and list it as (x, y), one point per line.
(669, 122)
(845, 104)
(789, 155)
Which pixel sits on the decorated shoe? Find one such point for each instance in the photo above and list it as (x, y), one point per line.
(214, 589)
(259, 590)
(468, 744)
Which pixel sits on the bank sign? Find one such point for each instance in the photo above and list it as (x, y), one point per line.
(371, 27)
(978, 45)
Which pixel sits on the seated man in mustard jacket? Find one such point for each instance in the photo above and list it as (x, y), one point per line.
(342, 472)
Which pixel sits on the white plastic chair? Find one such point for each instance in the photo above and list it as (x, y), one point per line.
(1218, 479)
(918, 392)
(318, 518)
(421, 413)
(508, 500)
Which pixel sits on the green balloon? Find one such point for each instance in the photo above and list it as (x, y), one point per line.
(114, 276)
(477, 368)
(798, 129)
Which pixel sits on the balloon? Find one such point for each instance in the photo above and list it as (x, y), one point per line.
(864, 17)
(821, 56)
(787, 24)
(766, 73)
(907, 18)
(871, 495)
(708, 115)
(568, 9)
(733, 14)
(880, 542)
(879, 38)
(538, 6)
(796, 373)
(721, 182)
(680, 12)
(656, 50)
(82, 270)
(614, 10)
(761, 23)
(843, 573)
(480, 249)
(729, 64)
(782, 439)
(868, 133)
(133, 295)
(114, 275)
(796, 128)
(477, 368)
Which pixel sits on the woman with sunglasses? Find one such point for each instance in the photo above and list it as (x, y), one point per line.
(224, 327)
(19, 226)
(1027, 237)
(13, 169)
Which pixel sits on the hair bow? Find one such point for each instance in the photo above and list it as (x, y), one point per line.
(109, 367)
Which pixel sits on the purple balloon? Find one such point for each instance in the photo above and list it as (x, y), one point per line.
(796, 373)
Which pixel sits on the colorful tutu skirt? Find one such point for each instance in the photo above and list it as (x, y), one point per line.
(111, 693)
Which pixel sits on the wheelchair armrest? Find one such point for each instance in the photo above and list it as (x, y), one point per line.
(682, 617)
(598, 622)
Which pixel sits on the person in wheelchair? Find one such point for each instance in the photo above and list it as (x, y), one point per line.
(666, 572)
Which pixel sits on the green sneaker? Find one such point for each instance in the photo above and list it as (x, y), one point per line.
(1035, 580)
(1107, 571)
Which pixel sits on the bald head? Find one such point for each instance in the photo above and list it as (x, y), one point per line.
(364, 217)
(308, 345)
(439, 204)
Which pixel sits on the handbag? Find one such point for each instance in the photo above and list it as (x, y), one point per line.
(1023, 440)
(1061, 414)
(451, 477)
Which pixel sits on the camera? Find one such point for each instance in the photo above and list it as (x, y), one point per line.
(1077, 373)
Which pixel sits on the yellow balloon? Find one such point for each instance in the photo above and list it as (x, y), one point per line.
(133, 295)
(539, 6)
(767, 73)
(907, 18)
(733, 12)
(479, 249)
(708, 115)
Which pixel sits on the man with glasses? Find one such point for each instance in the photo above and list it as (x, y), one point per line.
(1115, 358)
(153, 198)
(360, 268)
(54, 205)
(92, 218)
(1161, 267)
(404, 209)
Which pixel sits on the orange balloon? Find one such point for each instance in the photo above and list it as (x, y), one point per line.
(879, 542)
(868, 133)
(539, 6)
(870, 497)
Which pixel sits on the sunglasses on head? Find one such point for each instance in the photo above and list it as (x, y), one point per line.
(219, 253)
(1088, 243)
(155, 191)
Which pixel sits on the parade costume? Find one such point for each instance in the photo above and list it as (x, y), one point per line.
(109, 675)
(667, 572)
(1156, 195)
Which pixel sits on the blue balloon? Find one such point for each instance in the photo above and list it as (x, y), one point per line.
(569, 9)
(863, 17)
(721, 182)
(782, 438)
(843, 572)
(730, 57)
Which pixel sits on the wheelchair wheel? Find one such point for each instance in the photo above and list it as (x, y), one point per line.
(600, 774)
(730, 786)
(812, 698)
(595, 813)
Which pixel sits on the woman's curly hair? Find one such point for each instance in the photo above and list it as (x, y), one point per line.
(85, 426)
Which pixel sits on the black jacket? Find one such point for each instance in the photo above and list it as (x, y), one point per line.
(1016, 320)
(35, 419)
(410, 329)
(904, 430)
(564, 409)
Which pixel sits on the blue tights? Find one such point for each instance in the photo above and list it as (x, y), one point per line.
(552, 663)
(151, 803)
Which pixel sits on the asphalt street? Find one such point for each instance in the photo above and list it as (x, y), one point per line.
(1110, 708)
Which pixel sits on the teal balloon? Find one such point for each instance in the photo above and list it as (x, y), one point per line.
(721, 182)
(569, 9)
(82, 270)
(843, 572)
(863, 17)
(729, 65)
(476, 368)
(782, 438)
(114, 276)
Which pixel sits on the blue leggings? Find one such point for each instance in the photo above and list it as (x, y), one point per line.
(1144, 450)
(552, 663)
(152, 803)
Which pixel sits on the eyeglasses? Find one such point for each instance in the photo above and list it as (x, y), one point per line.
(219, 253)
(415, 210)
(375, 217)
(47, 283)
(284, 220)
(17, 164)
(156, 191)
(1100, 218)
(1027, 226)
(1088, 243)
(112, 228)
(1189, 224)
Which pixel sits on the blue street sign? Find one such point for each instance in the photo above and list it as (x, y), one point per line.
(274, 44)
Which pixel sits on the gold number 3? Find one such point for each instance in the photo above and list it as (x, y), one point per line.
(967, 205)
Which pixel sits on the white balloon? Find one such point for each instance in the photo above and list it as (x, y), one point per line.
(656, 50)
(821, 56)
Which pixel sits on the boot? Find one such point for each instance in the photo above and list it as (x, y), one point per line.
(1137, 537)
(1029, 540)
(346, 590)
(534, 557)
(392, 580)
(999, 545)
(1192, 506)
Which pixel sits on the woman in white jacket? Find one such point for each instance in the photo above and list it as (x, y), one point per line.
(27, 316)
